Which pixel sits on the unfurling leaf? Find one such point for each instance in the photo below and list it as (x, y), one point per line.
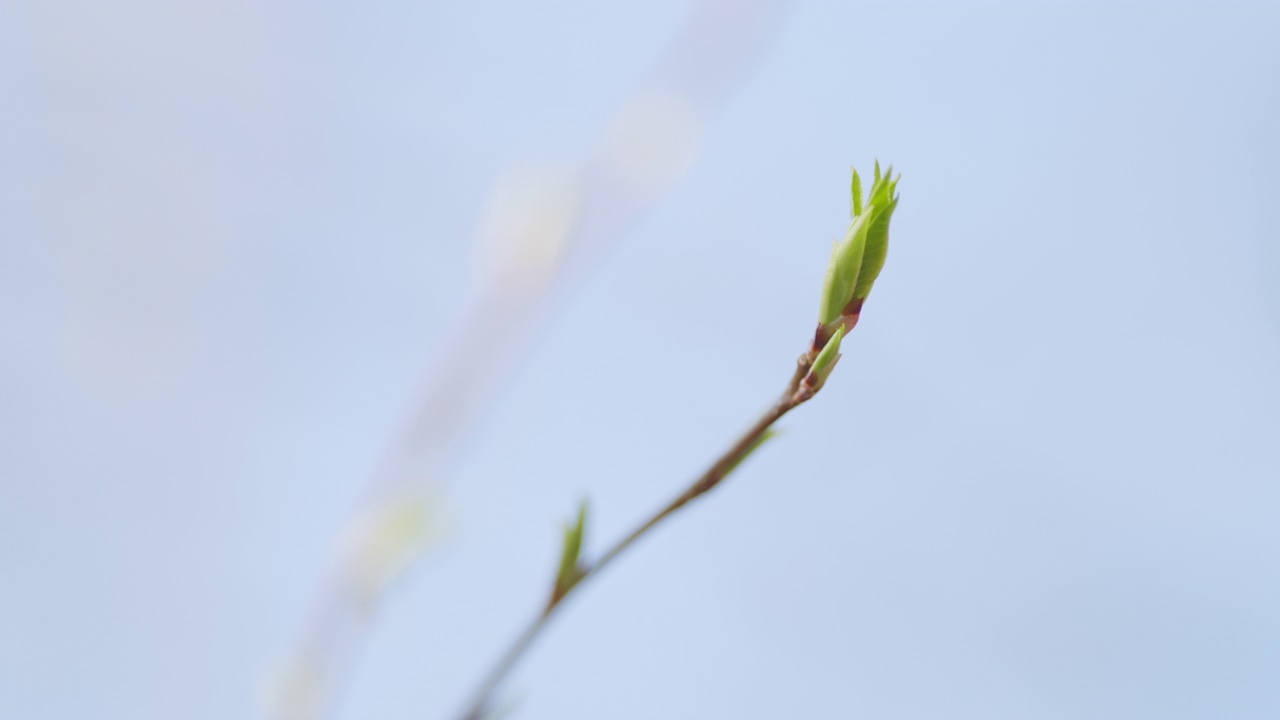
(884, 200)
(842, 271)
(570, 570)
(765, 437)
(825, 362)
(856, 260)
(855, 190)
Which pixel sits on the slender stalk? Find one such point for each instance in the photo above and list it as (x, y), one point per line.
(855, 263)
(797, 392)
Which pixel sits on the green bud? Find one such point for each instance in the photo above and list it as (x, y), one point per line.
(881, 203)
(825, 362)
(570, 570)
(857, 260)
(842, 271)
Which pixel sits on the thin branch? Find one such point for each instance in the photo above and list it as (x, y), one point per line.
(798, 391)
(540, 230)
(855, 263)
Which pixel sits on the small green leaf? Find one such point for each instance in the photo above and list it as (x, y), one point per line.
(826, 360)
(829, 351)
(570, 570)
(855, 190)
(842, 271)
(765, 437)
(882, 202)
(856, 261)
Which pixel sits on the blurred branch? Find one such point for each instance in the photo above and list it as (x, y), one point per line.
(535, 233)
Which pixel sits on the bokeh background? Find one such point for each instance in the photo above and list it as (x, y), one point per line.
(1045, 482)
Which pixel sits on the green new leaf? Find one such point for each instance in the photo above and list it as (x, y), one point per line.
(855, 189)
(765, 437)
(842, 271)
(826, 360)
(856, 260)
(570, 571)
(881, 203)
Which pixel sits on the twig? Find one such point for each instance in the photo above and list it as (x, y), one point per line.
(797, 392)
(855, 263)
(539, 231)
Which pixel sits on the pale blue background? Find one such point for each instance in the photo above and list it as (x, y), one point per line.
(1044, 484)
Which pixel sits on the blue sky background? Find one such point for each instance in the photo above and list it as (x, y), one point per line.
(1045, 482)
